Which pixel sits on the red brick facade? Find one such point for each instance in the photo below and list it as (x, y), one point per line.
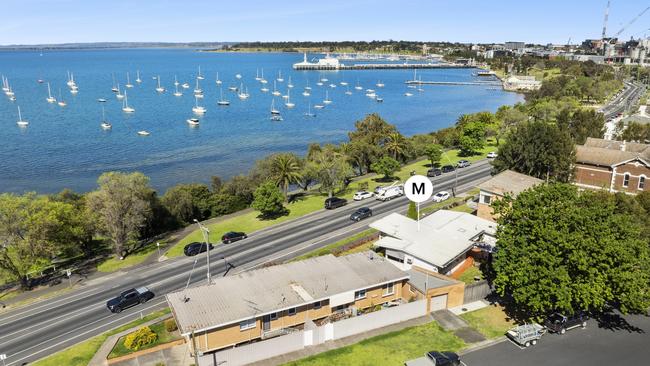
(600, 177)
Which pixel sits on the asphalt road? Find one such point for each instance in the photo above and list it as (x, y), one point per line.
(626, 343)
(43, 328)
(626, 99)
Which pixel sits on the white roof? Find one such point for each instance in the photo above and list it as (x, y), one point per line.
(443, 235)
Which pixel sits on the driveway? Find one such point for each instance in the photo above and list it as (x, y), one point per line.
(625, 342)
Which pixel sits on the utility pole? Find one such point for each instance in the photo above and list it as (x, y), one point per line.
(196, 352)
(206, 239)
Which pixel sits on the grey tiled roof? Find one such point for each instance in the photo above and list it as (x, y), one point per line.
(608, 153)
(509, 181)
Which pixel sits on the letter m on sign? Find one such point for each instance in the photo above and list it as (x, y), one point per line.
(418, 189)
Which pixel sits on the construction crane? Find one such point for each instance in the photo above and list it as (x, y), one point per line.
(605, 21)
(631, 22)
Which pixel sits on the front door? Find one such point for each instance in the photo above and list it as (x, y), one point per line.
(266, 323)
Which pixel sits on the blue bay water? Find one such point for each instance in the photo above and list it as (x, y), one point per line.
(66, 147)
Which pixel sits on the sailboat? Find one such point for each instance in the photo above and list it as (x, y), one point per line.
(380, 84)
(143, 133)
(222, 101)
(348, 92)
(307, 87)
(262, 80)
(114, 89)
(74, 90)
(50, 98)
(319, 83)
(199, 76)
(176, 92)
(105, 125)
(197, 89)
(344, 83)
(358, 87)
(420, 89)
(332, 85)
(273, 110)
(319, 106)
(243, 94)
(61, 102)
(290, 85)
(125, 106)
(119, 94)
(275, 90)
(20, 122)
(280, 78)
(160, 89)
(218, 81)
(264, 89)
(5, 84)
(128, 81)
(71, 81)
(407, 94)
(238, 76)
(193, 122)
(257, 75)
(288, 103)
(185, 86)
(309, 113)
(176, 83)
(327, 98)
(197, 108)
(306, 93)
(138, 80)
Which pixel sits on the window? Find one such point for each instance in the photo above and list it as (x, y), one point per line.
(317, 305)
(247, 324)
(389, 289)
(641, 183)
(273, 316)
(361, 294)
(409, 261)
(626, 180)
(291, 311)
(486, 199)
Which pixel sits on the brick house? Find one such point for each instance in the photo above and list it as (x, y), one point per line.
(612, 165)
(507, 182)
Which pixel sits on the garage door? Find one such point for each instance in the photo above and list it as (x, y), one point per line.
(438, 302)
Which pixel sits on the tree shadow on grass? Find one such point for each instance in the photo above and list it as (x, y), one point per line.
(274, 215)
(384, 179)
(297, 197)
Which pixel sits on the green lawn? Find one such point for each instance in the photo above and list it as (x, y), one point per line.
(80, 354)
(390, 349)
(163, 337)
(113, 264)
(329, 248)
(469, 274)
(490, 321)
(463, 208)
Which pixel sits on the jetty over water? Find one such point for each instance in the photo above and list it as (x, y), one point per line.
(484, 83)
(332, 63)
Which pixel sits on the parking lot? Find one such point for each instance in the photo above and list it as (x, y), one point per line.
(620, 341)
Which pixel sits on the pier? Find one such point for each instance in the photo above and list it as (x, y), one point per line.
(339, 66)
(484, 83)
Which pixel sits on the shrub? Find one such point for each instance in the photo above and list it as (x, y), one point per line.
(170, 325)
(140, 338)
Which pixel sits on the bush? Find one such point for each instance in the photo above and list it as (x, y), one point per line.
(170, 325)
(140, 338)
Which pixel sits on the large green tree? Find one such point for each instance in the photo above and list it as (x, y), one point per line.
(564, 250)
(397, 146)
(538, 149)
(269, 200)
(434, 154)
(188, 201)
(286, 170)
(331, 169)
(472, 137)
(122, 204)
(386, 166)
(367, 139)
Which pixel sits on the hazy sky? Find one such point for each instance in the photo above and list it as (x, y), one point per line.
(541, 21)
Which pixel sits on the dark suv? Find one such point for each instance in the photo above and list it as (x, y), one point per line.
(444, 358)
(334, 202)
(434, 172)
(558, 323)
(232, 236)
(361, 214)
(195, 248)
(448, 168)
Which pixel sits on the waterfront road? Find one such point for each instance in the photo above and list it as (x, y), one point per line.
(622, 341)
(40, 329)
(624, 100)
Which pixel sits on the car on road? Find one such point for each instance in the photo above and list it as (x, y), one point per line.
(129, 298)
(335, 202)
(195, 248)
(463, 163)
(434, 172)
(560, 323)
(362, 195)
(448, 168)
(441, 196)
(361, 213)
(491, 155)
(390, 192)
(443, 358)
(233, 236)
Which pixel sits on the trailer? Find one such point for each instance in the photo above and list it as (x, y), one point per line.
(527, 334)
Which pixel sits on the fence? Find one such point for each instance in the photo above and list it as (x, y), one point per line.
(255, 352)
(476, 291)
(378, 319)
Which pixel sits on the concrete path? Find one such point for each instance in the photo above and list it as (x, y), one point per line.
(452, 322)
(174, 356)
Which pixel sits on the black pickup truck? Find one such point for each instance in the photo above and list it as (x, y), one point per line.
(129, 298)
(559, 323)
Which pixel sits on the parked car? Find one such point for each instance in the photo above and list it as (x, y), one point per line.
(434, 172)
(463, 163)
(559, 323)
(334, 202)
(362, 195)
(443, 358)
(448, 168)
(360, 214)
(129, 298)
(491, 155)
(195, 248)
(441, 196)
(233, 236)
(390, 192)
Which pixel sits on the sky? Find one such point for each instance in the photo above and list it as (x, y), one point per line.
(477, 21)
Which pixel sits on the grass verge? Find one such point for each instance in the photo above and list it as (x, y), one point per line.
(390, 349)
(113, 264)
(331, 247)
(490, 321)
(81, 354)
(163, 337)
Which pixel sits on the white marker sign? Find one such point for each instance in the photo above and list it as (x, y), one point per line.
(418, 188)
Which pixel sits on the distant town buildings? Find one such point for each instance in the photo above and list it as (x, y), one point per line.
(521, 82)
(513, 46)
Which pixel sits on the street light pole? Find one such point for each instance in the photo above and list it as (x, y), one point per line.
(206, 239)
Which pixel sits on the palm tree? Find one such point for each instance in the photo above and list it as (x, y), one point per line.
(396, 145)
(285, 168)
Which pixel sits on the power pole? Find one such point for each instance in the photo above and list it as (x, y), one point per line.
(206, 239)
(196, 352)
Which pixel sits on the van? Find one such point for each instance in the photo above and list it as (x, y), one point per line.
(388, 193)
(334, 202)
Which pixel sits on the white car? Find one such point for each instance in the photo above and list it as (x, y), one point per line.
(362, 195)
(441, 196)
(491, 155)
